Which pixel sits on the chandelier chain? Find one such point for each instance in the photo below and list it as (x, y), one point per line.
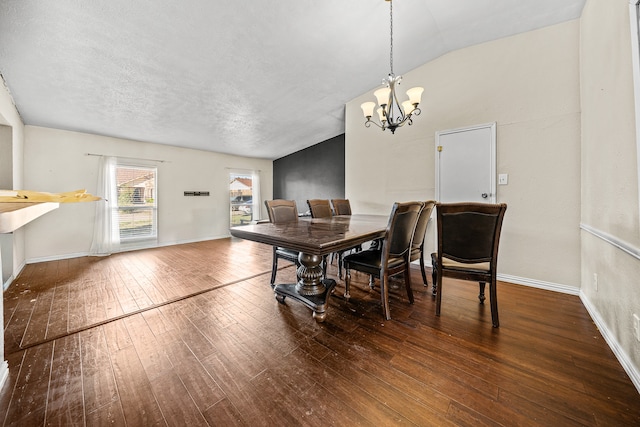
(391, 113)
(391, 35)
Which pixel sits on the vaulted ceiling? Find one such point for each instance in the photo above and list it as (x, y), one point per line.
(254, 78)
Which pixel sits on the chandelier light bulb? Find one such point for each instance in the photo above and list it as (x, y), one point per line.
(408, 107)
(367, 108)
(415, 94)
(382, 95)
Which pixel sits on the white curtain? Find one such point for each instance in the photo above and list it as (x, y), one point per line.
(255, 194)
(106, 231)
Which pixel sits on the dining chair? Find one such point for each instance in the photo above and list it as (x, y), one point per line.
(341, 206)
(392, 258)
(417, 241)
(468, 238)
(281, 211)
(321, 208)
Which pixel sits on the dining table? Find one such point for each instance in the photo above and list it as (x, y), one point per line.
(314, 239)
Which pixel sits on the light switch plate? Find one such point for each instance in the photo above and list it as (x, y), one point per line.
(503, 179)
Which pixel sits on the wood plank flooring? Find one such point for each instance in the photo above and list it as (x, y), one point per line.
(192, 335)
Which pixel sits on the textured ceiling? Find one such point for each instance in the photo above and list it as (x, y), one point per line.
(256, 78)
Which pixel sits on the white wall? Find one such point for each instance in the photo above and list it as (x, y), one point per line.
(6, 182)
(529, 85)
(9, 116)
(610, 214)
(57, 162)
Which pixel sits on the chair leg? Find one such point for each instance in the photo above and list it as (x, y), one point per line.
(434, 275)
(372, 283)
(274, 268)
(493, 295)
(424, 274)
(347, 284)
(407, 282)
(384, 295)
(438, 284)
(481, 296)
(340, 265)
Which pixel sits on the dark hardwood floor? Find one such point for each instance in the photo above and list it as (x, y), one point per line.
(192, 335)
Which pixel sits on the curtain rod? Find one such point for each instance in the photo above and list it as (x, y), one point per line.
(124, 157)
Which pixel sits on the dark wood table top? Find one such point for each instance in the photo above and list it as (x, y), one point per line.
(316, 236)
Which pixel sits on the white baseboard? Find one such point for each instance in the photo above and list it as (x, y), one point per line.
(13, 276)
(155, 245)
(540, 284)
(202, 239)
(534, 283)
(6, 284)
(622, 357)
(56, 257)
(4, 373)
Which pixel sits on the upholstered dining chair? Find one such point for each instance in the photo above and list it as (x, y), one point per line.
(321, 208)
(392, 258)
(417, 241)
(468, 239)
(341, 206)
(281, 211)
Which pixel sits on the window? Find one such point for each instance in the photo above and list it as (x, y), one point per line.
(244, 197)
(126, 217)
(136, 213)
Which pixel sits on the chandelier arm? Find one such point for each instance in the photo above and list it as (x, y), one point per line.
(369, 122)
(409, 118)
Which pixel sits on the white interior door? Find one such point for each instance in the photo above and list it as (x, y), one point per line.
(466, 164)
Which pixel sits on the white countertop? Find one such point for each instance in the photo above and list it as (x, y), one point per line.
(15, 215)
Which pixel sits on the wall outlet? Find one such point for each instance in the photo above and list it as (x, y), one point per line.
(595, 281)
(636, 326)
(503, 179)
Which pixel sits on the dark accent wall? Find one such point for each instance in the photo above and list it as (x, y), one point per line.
(316, 172)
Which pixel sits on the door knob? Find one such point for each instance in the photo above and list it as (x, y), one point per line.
(485, 195)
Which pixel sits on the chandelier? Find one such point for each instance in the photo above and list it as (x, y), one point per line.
(391, 113)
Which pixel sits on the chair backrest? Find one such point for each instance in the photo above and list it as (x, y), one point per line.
(341, 206)
(469, 232)
(320, 208)
(281, 210)
(402, 222)
(421, 225)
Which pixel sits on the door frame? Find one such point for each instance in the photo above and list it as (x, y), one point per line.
(492, 156)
